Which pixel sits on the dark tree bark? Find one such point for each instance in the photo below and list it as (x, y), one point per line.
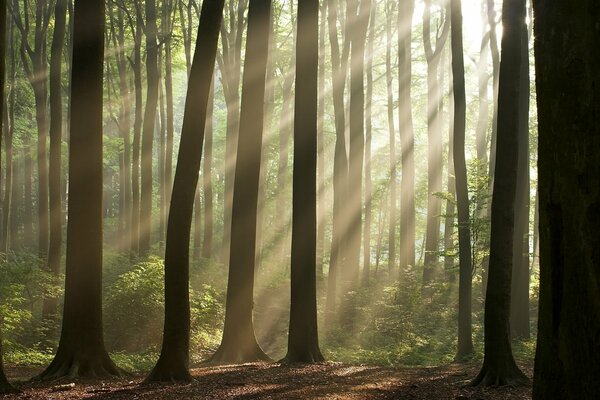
(392, 228)
(239, 341)
(148, 127)
(173, 363)
(435, 152)
(499, 367)
(50, 307)
(449, 225)
(8, 216)
(495, 77)
(197, 224)
(322, 211)
(567, 365)
(5, 387)
(465, 340)
(303, 338)
(519, 317)
(34, 62)
(81, 351)
(167, 20)
(407, 141)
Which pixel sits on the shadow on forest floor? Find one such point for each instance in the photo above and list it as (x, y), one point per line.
(274, 381)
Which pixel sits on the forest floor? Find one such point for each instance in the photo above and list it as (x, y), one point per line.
(275, 381)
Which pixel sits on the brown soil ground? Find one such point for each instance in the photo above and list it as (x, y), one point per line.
(274, 381)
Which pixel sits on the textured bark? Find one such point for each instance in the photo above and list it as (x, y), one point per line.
(407, 141)
(50, 306)
(81, 351)
(239, 341)
(303, 338)
(148, 127)
(567, 365)
(173, 363)
(465, 340)
(499, 367)
(8, 217)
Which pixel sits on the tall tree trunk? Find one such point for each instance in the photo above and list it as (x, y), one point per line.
(449, 224)
(358, 34)
(161, 130)
(407, 141)
(465, 339)
(173, 362)
(321, 185)
(340, 161)
(207, 242)
(392, 228)
(27, 193)
(230, 66)
(499, 367)
(519, 317)
(368, 139)
(50, 307)
(170, 124)
(148, 127)
(137, 133)
(435, 151)
(81, 351)
(567, 75)
(8, 217)
(303, 338)
(239, 341)
(5, 387)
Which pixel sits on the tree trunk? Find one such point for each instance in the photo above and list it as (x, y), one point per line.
(50, 307)
(519, 317)
(148, 127)
(392, 229)
(81, 351)
(567, 364)
(173, 363)
(368, 139)
(322, 211)
(465, 340)
(239, 341)
(435, 152)
(340, 162)
(405, 125)
(449, 225)
(8, 217)
(499, 367)
(137, 132)
(170, 124)
(303, 339)
(207, 178)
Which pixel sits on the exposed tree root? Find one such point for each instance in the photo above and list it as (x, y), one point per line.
(169, 370)
(505, 375)
(236, 355)
(76, 365)
(306, 357)
(7, 388)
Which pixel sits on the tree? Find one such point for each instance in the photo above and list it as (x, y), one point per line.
(56, 119)
(173, 362)
(5, 387)
(239, 342)
(434, 134)
(303, 338)
(407, 141)
(567, 75)
(81, 351)
(207, 180)
(392, 229)
(499, 367)
(465, 340)
(148, 127)
(519, 308)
